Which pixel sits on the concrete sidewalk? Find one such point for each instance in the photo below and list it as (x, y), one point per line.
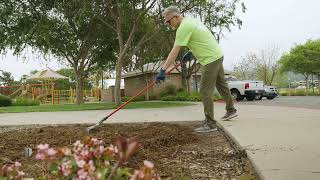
(282, 142)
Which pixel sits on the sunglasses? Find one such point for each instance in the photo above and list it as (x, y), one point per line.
(168, 21)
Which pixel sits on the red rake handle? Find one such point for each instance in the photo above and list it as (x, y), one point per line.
(139, 93)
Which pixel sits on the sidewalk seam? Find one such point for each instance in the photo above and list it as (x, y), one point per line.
(239, 148)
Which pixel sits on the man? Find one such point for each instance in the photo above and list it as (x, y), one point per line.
(203, 45)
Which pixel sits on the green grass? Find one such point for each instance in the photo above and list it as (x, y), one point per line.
(90, 106)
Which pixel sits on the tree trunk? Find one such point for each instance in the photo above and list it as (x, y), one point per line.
(79, 89)
(312, 84)
(196, 82)
(307, 84)
(147, 91)
(117, 90)
(183, 76)
(188, 85)
(319, 83)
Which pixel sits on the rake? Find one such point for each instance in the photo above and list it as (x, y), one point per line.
(127, 102)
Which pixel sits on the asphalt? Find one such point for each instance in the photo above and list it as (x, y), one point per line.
(282, 142)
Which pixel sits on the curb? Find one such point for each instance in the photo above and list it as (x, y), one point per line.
(236, 145)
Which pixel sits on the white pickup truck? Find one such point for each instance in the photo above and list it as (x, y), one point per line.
(244, 89)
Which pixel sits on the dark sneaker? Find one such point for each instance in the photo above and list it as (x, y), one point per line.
(229, 115)
(206, 128)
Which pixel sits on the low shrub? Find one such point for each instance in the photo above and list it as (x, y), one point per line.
(5, 101)
(139, 98)
(169, 98)
(194, 98)
(217, 97)
(169, 90)
(26, 102)
(283, 93)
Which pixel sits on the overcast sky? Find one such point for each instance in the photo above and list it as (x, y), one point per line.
(267, 23)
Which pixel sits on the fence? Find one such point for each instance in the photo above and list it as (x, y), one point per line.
(46, 93)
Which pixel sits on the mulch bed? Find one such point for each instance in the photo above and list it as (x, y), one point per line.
(173, 147)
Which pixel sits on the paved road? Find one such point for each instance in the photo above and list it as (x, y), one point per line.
(309, 102)
(283, 142)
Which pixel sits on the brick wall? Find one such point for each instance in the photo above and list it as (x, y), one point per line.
(106, 95)
(136, 83)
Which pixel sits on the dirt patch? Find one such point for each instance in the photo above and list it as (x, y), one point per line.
(174, 148)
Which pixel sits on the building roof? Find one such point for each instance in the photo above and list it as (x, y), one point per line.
(47, 74)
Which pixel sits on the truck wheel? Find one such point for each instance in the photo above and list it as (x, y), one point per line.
(270, 97)
(250, 97)
(236, 95)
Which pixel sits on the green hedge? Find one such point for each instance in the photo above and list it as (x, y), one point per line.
(26, 102)
(5, 101)
(169, 90)
(139, 98)
(299, 92)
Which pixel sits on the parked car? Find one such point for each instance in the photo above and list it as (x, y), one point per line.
(270, 92)
(244, 89)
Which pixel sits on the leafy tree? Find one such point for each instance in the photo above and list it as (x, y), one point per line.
(69, 30)
(303, 59)
(6, 78)
(261, 66)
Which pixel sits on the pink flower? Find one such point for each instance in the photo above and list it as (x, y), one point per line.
(84, 153)
(51, 152)
(43, 147)
(101, 149)
(148, 164)
(21, 173)
(92, 166)
(82, 174)
(80, 163)
(40, 156)
(65, 168)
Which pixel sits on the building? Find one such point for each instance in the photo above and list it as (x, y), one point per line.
(136, 80)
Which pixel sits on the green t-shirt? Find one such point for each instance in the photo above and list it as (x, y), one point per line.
(198, 38)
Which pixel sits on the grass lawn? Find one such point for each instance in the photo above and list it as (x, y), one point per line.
(90, 106)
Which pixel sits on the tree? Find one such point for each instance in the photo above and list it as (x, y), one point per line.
(267, 65)
(6, 78)
(246, 68)
(127, 16)
(261, 66)
(69, 30)
(303, 59)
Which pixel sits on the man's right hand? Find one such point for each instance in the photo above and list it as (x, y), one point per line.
(161, 76)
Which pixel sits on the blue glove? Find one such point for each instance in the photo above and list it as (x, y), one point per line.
(187, 57)
(161, 76)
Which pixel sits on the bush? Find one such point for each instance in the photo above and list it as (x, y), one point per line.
(26, 102)
(217, 97)
(169, 98)
(152, 96)
(284, 93)
(169, 90)
(139, 98)
(194, 98)
(300, 93)
(5, 101)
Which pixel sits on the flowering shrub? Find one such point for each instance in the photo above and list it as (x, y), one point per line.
(89, 160)
(11, 171)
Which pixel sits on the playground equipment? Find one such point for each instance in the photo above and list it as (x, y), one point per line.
(46, 91)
